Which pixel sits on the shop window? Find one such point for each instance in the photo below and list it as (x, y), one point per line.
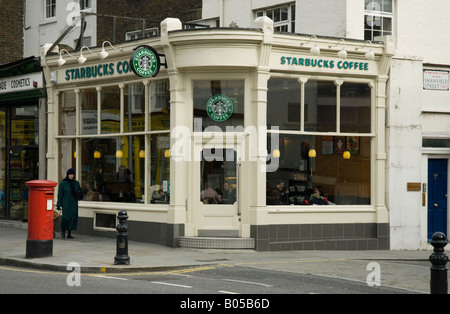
(218, 104)
(67, 105)
(112, 169)
(112, 158)
(355, 108)
(310, 148)
(160, 172)
(110, 110)
(134, 107)
(343, 181)
(284, 99)
(89, 114)
(320, 106)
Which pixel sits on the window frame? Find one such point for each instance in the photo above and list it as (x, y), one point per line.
(277, 25)
(302, 79)
(49, 9)
(379, 15)
(85, 4)
(148, 133)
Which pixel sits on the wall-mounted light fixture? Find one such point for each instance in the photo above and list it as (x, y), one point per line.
(314, 50)
(61, 60)
(369, 54)
(82, 59)
(342, 53)
(103, 53)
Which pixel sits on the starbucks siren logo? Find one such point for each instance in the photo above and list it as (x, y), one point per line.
(145, 61)
(219, 108)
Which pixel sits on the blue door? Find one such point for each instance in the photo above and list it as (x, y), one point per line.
(437, 196)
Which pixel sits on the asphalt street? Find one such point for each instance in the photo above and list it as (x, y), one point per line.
(407, 271)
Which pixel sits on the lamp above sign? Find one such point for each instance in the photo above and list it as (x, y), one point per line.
(145, 61)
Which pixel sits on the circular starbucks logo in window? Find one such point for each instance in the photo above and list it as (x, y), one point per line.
(145, 61)
(219, 108)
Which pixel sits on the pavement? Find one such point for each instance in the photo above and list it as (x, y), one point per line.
(408, 270)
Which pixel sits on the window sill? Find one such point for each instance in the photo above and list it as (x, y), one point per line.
(320, 209)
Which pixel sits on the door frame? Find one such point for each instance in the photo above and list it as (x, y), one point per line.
(217, 220)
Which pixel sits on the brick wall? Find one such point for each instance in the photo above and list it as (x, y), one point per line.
(154, 11)
(11, 30)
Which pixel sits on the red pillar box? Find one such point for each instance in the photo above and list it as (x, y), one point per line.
(40, 218)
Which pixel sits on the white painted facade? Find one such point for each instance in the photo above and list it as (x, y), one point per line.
(40, 30)
(421, 42)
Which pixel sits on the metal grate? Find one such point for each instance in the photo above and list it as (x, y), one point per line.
(216, 243)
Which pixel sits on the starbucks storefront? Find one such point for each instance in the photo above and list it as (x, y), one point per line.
(227, 144)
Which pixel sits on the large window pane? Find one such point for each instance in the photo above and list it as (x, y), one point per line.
(110, 110)
(355, 108)
(203, 97)
(113, 169)
(320, 106)
(159, 105)
(134, 107)
(283, 104)
(89, 116)
(343, 181)
(67, 105)
(160, 169)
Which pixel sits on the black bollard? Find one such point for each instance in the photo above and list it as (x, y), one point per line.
(438, 279)
(122, 257)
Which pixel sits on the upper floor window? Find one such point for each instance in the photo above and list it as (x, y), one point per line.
(148, 32)
(283, 17)
(50, 8)
(85, 4)
(378, 18)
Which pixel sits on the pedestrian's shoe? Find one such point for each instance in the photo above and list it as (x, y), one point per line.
(63, 235)
(69, 236)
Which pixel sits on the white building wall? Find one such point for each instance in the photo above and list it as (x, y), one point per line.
(404, 141)
(421, 38)
(40, 30)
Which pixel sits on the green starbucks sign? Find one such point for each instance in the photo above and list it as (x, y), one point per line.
(145, 61)
(219, 108)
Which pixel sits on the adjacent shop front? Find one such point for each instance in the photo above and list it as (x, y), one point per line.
(229, 142)
(22, 137)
